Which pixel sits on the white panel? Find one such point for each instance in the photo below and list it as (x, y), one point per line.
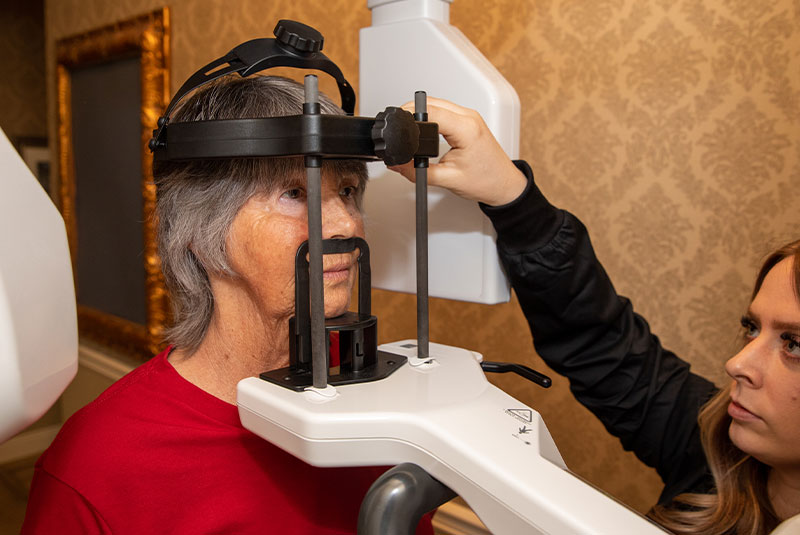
(397, 59)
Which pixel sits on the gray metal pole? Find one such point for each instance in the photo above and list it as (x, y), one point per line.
(421, 174)
(319, 346)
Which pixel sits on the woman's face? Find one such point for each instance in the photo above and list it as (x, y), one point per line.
(765, 395)
(265, 234)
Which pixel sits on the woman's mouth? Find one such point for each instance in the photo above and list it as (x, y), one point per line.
(336, 274)
(337, 271)
(737, 412)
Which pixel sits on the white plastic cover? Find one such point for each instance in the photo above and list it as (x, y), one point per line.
(38, 324)
(411, 46)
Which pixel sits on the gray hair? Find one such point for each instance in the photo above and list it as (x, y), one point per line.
(198, 200)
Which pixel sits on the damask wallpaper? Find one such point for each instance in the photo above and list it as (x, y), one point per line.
(670, 127)
(22, 90)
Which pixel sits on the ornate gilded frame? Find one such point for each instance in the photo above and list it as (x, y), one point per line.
(146, 37)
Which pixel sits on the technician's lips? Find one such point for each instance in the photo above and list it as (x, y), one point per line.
(738, 412)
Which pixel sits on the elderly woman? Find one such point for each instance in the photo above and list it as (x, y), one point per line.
(162, 450)
(730, 457)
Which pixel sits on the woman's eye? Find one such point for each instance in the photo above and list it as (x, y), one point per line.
(294, 193)
(751, 330)
(791, 344)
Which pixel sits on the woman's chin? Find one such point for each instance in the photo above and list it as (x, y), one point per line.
(337, 301)
(335, 309)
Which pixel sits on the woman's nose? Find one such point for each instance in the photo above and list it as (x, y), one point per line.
(338, 219)
(745, 366)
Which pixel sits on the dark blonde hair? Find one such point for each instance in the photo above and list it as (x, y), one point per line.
(741, 504)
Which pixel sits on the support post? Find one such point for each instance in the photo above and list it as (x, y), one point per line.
(421, 172)
(313, 164)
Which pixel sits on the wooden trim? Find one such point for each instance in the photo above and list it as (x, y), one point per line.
(28, 443)
(456, 518)
(109, 367)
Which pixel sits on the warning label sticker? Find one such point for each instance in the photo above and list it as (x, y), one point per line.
(523, 415)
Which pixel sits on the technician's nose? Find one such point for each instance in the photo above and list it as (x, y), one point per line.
(745, 366)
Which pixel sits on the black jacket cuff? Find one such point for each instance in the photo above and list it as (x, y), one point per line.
(529, 221)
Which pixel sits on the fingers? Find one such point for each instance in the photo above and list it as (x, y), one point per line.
(476, 167)
(457, 124)
(439, 103)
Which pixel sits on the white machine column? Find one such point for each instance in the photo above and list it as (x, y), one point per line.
(412, 46)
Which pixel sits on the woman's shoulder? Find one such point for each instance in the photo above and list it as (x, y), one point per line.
(100, 433)
(127, 391)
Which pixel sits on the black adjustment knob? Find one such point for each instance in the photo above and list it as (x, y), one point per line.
(396, 136)
(298, 36)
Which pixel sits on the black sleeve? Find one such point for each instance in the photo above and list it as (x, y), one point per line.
(617, 368)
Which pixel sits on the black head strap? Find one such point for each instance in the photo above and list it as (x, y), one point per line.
(296, 45)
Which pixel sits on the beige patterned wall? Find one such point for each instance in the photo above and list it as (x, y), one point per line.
(22, 89)
(669, 126)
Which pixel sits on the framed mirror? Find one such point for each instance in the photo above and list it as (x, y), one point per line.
(112, 85)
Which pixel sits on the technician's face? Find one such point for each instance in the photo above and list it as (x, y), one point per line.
(765, 394)
(269, 228)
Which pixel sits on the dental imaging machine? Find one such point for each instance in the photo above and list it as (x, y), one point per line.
(38, 321)
(424, 407)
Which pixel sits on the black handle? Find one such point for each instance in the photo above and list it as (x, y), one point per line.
(529, 374)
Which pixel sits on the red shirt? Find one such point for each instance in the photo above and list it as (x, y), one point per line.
(156, 454)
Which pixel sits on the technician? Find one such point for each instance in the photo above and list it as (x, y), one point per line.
(730, 457)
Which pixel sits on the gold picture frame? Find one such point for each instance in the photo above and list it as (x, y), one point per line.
(143, 39)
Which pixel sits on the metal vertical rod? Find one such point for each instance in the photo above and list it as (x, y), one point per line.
(313, 164)
(421, 173)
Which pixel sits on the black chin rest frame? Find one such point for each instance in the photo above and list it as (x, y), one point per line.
(359, 359)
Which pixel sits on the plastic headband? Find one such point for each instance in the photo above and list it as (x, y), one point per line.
(393, 135)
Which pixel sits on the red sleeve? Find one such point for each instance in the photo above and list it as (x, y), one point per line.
(55, 507)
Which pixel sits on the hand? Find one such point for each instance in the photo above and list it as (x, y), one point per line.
(475, 167)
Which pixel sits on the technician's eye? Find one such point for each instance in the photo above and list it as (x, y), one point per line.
(294, 193)
(750, 329)
(791, 344)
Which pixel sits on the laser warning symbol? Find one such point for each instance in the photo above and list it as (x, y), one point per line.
(523, 415)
